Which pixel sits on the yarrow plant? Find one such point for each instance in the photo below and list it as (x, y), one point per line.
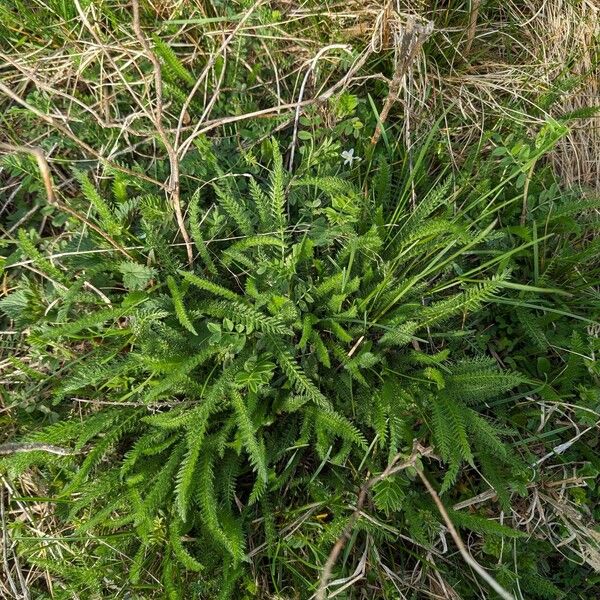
(267, 330)
(297, 339)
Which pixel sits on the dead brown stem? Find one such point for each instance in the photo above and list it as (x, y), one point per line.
(173, 187)
(393, 468)
(410, 40)
(473, 16)
(42, 165)
(467, 557)
(209, 65)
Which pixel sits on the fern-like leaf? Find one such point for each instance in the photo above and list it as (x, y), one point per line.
(298, 377)
(255, 449)
(277, 191)
(173, 66)
(180, 311)
(235, 209)
(209, 286)
(105, 215)
(197, 234)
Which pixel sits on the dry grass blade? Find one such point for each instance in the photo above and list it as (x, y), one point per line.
(13, 448)
(55, 124)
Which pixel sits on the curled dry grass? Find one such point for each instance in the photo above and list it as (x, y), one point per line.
(570, 36)
(520, 62)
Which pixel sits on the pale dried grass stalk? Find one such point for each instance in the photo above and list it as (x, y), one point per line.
(570, 36)
(409, 37)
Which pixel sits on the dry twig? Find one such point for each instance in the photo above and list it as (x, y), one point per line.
(158, 123)
(467, 557)
(409, 41)
(472, 28)
(394, 467)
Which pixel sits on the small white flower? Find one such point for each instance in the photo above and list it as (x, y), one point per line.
(348, 156)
